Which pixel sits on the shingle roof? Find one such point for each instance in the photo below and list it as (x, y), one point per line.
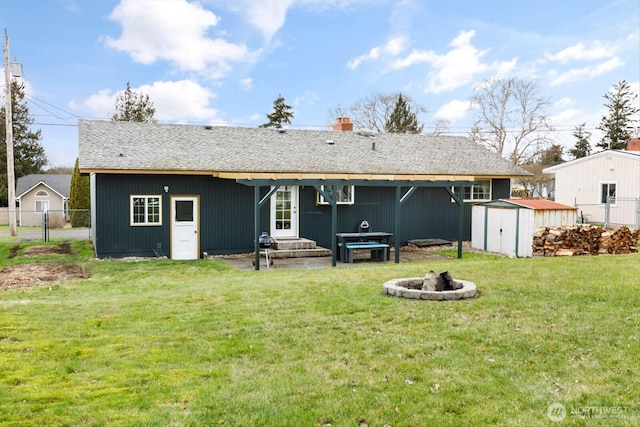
(123, 146)
(57, 182)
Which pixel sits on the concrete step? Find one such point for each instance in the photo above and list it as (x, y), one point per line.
(294, 244)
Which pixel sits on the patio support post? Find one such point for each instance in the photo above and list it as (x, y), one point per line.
(256, 225)
(396, 231)
(460, 220)
(334, 228)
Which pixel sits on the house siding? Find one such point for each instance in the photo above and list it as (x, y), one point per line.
(227, 214)
(579, 183)
(28, 214)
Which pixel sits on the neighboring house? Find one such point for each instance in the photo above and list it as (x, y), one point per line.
(181, 190)
(39, 193)
(605, 186)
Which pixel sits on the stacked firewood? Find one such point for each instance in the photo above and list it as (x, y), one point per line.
(583, 240)
(620, 241)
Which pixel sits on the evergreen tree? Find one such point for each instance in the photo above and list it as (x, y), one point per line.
(582, 147)
(402, 119)
(28, 154)
(79, 198)
(133, 107)
(621, 118)
(281, 114)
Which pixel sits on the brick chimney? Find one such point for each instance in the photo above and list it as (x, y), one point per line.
(633, 144)
(343, 124)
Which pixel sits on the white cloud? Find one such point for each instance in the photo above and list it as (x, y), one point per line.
(564, 102)
(580, 52)
(176, 32)
(584, 73)
(246, 83)
(268, 16)
(182, 100)
(394, 46)
(453, 110)
(307, 98)
(457, 67)
(566, 117)
(102, 103)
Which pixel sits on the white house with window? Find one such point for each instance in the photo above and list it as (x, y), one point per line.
(604, 187)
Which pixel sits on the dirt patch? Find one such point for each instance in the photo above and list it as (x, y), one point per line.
(63, 248)
(34, 274)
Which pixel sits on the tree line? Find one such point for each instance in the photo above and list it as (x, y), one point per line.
(511, 119)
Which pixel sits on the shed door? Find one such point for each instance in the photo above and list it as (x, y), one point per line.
(184, 227)
(501, 231)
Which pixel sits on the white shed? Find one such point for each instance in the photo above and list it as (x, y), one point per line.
(507, 225)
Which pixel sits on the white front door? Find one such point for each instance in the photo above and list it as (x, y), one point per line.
(184, 227)
(284, 212)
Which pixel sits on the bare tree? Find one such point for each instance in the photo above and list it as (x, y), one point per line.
(441, 126)
(512, 118)
(373, 112)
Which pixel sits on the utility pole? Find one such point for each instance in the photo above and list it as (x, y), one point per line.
(11, 186)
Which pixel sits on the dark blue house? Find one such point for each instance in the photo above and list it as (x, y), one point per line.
(182, 190)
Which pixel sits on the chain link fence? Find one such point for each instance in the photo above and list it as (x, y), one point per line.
(51, 224)
(616, 212)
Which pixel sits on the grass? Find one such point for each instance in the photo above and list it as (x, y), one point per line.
(197, 343)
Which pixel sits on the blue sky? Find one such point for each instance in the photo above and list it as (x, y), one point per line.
(224, 62)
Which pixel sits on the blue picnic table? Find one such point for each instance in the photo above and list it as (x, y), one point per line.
(378, 242)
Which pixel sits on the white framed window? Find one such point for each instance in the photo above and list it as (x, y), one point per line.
(42, 193)
(146, 210)
(344, 194)
(42, 206)
(608, 193)
(480, 191)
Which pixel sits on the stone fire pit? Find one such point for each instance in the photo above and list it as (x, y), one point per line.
(431, 287)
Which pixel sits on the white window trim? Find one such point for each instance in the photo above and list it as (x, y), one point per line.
(42, 202)
(41, 193)
(615, 199)
(146, 217)
(453, 190)
(321, 201)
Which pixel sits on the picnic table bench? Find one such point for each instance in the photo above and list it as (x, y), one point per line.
(376, 242)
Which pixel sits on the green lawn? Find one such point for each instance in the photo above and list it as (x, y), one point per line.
(195, 343)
